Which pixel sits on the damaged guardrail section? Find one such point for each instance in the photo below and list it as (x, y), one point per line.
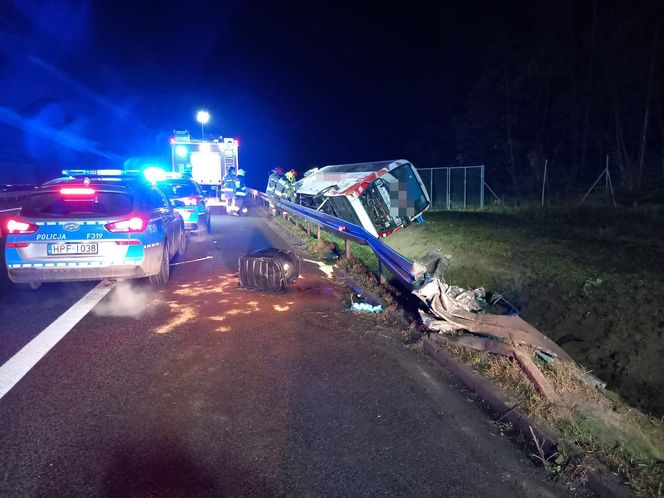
(448, 311)
(409, 273)
(12, 198)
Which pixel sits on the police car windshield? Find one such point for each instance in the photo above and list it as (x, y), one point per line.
(176, 189)
(55, 205)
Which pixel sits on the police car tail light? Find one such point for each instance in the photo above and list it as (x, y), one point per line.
(20, 227)
(134, 224)
(77, 191)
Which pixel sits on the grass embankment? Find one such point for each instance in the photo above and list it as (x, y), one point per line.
(593, 281)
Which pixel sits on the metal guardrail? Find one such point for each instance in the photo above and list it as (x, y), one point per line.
(12, 198)
(408, 272)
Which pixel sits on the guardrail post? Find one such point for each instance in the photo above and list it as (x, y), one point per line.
(318, 234)
(308, 229)
(348, 251)
(381, 276)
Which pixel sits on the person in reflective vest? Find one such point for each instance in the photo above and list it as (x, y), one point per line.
(289, 185)
(229, 190)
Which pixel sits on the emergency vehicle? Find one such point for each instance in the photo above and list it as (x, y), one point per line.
(91, 225)
(380, 196)
(207, 162)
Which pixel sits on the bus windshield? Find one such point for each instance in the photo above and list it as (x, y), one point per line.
(394, 199)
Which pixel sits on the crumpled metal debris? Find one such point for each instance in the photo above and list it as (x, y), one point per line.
(451, 309)
(436, 292)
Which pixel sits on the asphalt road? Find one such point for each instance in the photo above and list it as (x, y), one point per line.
(205, 389)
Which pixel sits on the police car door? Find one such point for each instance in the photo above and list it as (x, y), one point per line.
(164, 215)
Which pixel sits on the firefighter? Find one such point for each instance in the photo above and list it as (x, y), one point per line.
(272, 183)
(229, 191)
(291, 185)
(240, 191)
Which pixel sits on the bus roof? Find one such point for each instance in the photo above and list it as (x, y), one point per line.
(345, 177)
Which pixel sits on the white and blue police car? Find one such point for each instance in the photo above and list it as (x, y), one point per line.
(91, 225)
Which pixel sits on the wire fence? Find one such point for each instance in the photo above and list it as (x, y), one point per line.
(454, 188)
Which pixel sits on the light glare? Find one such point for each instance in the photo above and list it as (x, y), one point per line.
(203, 117)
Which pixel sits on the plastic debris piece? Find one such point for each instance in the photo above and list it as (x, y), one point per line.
(366, 308)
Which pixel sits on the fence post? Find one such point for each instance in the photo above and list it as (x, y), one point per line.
(431, 184)
(482, 188)
(447, 200)
(348, 251)
(465, 174)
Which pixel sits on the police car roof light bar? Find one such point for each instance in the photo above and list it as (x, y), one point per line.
(100, 172)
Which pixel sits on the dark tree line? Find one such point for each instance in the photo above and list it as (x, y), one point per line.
(571, 82)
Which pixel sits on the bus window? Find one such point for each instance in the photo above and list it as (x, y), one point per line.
(340, 207)
(409, 199)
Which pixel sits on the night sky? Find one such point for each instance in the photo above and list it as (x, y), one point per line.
(299, 84)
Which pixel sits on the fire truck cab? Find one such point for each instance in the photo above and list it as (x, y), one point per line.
(207, 162)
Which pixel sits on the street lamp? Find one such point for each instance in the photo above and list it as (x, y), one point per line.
(202, 117)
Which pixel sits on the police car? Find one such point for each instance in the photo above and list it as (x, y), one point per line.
(91, 225)
(187, 197)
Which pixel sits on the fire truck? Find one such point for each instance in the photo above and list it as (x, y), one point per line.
(208, 163)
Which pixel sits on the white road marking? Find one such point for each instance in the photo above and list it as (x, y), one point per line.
(191, 261)
(8, 210)
(22, 362)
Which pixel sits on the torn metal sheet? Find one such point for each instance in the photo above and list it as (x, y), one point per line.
(449, 314)
(541, 383)
(477, 343)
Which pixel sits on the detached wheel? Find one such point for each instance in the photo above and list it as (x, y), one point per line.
(164, 274)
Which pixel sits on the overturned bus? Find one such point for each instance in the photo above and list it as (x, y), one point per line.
(380, 196)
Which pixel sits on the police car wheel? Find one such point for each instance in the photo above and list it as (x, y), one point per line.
(182, 245)
(164, 274)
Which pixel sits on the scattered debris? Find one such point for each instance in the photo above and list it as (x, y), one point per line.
(191, 261)
(366, 307)
(325, 268)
